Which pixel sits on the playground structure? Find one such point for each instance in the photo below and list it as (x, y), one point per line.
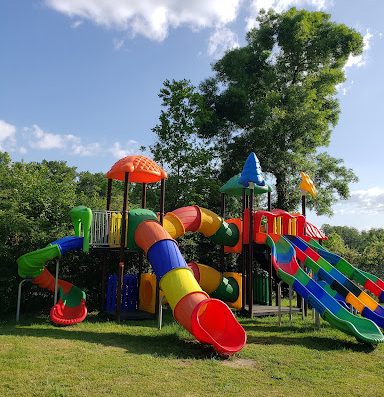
(196, 293)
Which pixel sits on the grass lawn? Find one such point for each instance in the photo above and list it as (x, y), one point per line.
(99, 358)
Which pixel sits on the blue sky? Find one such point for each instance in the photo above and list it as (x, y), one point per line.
(79, 80)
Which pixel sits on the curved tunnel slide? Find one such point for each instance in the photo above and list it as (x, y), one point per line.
(287, 268)
(70, 307)
(208, 320)
(336, 283)
(369, 281)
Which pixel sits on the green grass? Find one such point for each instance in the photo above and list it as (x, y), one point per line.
(99, 358)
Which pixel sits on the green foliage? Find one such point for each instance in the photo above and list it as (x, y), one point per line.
(187, 158)
(35, 200)
(362, 249)
(278, 98)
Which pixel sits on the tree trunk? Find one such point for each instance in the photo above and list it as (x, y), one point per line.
(282, 192)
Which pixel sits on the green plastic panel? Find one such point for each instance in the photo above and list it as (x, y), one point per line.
(135, 217)
(228, 234)
(32, 264)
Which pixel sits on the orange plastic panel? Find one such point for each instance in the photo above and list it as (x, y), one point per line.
(186, 305)
(148, 233)
(141, 169)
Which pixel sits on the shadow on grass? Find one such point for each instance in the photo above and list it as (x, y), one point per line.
(314, 342)
(162, 345)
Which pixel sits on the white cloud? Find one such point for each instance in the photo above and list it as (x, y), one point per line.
(90, 149)
(7, 132)
(40, 139)
(118, 44)
(75, 24)
(221, 40)
(363, 201)
(118, 151)
(282, 5)
(150, 18)
(360, 60)
(7, 136)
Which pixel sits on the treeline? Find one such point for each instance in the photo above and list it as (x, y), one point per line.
(364, 249)
(35, 200)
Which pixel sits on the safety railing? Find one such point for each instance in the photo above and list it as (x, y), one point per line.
(106, 229)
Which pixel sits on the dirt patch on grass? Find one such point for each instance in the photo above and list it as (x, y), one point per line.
(240, 363)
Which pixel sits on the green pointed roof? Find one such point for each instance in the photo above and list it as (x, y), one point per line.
(233, 188)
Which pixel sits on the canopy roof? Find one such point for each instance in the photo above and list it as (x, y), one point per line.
(233, 188)
(141, 170)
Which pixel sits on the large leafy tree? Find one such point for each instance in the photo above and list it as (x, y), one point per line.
(277, 96)
(188, 158)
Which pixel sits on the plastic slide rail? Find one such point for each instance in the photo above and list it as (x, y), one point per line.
(287, 268)
(368, 281)
(336, 283)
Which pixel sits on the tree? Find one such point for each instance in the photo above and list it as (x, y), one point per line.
(277, 96)
(188, 159)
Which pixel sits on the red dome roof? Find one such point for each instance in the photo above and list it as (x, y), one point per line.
(141, 169)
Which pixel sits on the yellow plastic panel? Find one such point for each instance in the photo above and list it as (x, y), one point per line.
(173, 225)
(368, 301)
(355, 302)
(210, 222)
(210, 278)
(237, 304)
(147, 293)
(177, 283)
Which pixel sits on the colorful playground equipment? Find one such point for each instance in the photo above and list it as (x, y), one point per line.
(201, 298)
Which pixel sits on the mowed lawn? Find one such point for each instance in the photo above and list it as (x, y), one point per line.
(98, 358)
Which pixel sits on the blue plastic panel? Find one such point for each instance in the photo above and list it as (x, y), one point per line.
(69, 243)
(129, 293)
(368, 313)
(300, 289)
(110, 299)
(297, 242)
(165, 256)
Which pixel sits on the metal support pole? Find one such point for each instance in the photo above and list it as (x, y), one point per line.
(317, 319)
(303, 205)
(159, 310)
(109, 194)
(19, 297)
(162, 200)
(244, 254)
(290, 303)
(250, 251)
(279, 301)
(56, 281)
(144, 196)
(270, 274)
(122, 247)
(222, 254)
(141, 254)
(269, 201)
